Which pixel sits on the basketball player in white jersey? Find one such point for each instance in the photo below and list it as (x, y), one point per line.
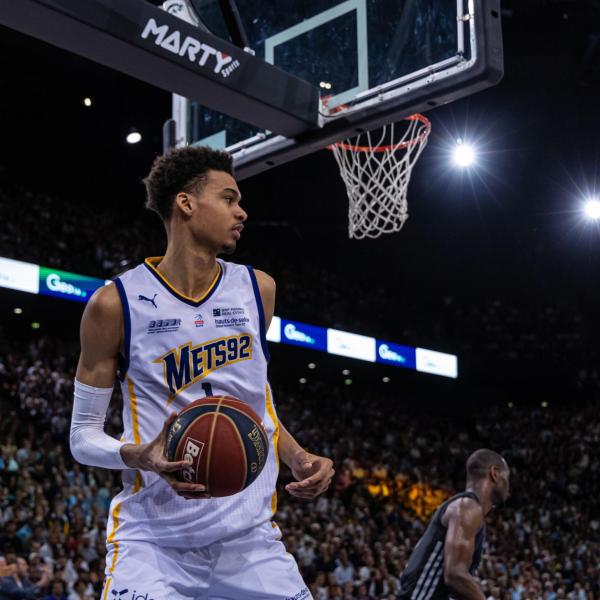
(177, 328)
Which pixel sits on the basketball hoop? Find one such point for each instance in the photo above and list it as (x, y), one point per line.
(376, 168)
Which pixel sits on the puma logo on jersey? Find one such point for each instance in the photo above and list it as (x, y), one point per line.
(187, 364)
(151, 300)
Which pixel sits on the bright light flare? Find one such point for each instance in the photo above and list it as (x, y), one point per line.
(592, 209)
(134, 137)
(464, 154)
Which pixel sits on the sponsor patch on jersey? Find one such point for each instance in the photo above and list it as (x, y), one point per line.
(229, 312)
(163, 325)
(135, 595)
(230, 317)
(187, 364)
(232, 322)
(199, 320)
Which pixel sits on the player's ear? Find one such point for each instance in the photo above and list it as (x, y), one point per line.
(494, 473)
(183, 202)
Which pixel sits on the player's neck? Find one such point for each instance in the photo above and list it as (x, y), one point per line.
(190, 270)
(483, 494)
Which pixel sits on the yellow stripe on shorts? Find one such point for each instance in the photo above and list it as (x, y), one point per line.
(273, 415)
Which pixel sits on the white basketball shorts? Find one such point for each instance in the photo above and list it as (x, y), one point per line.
(253, 565)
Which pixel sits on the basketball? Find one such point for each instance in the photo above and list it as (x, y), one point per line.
(226, 441)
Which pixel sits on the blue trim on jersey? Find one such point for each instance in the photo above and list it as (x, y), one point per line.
(261, 314)
(127, 326)
(177, 295)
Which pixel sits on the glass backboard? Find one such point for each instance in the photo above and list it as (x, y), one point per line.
(365, 56)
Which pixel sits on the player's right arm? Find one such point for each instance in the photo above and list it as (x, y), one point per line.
(101, 338)
(464, 519)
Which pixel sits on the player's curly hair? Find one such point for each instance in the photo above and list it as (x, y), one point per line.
(181, 170)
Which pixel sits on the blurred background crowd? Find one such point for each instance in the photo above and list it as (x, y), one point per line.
(496, 265)
(533, 379)
(395, 464)
(540, 329)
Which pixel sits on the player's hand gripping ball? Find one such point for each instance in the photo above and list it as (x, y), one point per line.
(225, 441)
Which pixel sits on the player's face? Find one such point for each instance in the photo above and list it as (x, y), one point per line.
(217, 217)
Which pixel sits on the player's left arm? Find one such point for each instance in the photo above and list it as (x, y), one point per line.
(313, 473)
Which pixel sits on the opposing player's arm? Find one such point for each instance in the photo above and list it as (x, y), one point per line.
(313, 473)
(464, 519)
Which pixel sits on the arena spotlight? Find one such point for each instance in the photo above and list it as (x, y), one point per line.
(312, 366)
(348, 381)
(592, 209)
(87, 102)
(302, 380)
(18, 311)
(133, 137)
(464, 154)
(35, 325)
(386, 380)
(346, 372)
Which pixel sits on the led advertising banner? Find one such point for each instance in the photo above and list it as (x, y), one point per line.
(437, 363)
(17, 275)
(351, 345)
(396, 355)
(274, 332)
(68, 285)
(34, 279)
(302, 334)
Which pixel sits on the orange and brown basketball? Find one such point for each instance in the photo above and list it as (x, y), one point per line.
(226, 441)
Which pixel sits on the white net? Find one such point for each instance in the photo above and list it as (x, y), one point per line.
(376, 168)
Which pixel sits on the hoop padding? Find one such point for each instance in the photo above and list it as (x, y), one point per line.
(376, 175)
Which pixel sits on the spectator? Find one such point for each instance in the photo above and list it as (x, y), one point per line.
(5, 569)
(344, 571)
(57, 591)
(19, 587)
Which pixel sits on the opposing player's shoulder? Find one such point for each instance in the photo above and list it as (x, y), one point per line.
(466, 510)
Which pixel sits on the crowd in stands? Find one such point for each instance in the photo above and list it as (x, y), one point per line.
(58, 232)
(395, 463)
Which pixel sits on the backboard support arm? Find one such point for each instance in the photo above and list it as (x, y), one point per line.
(143, 41)
(231, 14)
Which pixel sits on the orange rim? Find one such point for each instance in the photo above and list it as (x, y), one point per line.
(416, 117)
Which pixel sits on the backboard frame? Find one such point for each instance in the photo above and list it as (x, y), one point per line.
(469, 71)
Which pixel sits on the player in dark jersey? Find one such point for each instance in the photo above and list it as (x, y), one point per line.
(446, 558)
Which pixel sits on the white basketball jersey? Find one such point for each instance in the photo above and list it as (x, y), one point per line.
(179, 349)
